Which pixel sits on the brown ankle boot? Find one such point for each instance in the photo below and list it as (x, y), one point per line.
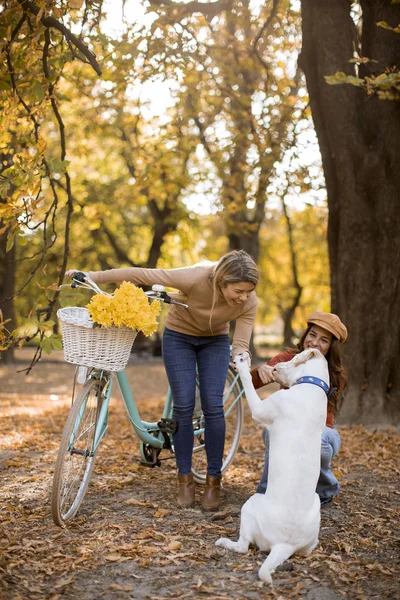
(186, 490)
(212, 493)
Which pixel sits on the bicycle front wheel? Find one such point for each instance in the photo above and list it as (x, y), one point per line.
(233, 411)
(76, 455)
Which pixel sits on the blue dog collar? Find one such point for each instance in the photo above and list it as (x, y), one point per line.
(315, 381)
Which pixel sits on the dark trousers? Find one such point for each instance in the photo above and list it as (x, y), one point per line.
(182, 355)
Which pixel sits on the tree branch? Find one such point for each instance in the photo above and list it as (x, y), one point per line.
(52, 22)
(264, 30)
(119, 252)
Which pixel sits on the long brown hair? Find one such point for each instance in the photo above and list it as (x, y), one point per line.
(234, 267)
(337, 372)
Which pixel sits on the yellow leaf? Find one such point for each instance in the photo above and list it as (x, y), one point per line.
(41, 146)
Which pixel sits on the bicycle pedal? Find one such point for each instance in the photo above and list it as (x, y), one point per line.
(169, 426)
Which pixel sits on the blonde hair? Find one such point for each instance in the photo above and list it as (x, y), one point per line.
(234, 267)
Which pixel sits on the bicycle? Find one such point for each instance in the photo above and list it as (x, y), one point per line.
(86, 424)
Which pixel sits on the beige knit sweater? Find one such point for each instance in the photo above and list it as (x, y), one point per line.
(195, 286)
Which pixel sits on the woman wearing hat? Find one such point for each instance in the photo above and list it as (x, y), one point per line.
(326, 332)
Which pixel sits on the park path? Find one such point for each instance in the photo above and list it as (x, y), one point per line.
(129, 541)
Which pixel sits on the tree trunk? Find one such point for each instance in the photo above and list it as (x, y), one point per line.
(165, 222)
(359, 138)
(287, 318)
(7, 290)
(287, 313)
(245, 240)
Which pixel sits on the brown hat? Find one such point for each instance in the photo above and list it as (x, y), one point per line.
(330, 322)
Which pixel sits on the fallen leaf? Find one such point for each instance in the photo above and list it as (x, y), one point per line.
(63, 582)
(136, 502)
(115, 557)
(174, 545)
(161, 512)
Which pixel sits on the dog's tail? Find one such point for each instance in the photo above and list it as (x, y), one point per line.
(278, 554)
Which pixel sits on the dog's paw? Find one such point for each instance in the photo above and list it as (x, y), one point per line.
(241, 546)
(242, 367)
(265, 575)
(223, 542)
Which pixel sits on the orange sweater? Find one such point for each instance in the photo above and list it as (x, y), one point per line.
(285, 357)
(196, 290)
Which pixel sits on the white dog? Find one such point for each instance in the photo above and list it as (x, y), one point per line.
(287, 518)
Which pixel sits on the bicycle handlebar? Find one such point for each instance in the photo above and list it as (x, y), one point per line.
(77, 278)
(157, 292)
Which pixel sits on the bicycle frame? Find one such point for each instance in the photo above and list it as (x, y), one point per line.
(143, 429)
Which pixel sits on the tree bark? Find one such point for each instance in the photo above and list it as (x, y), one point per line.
(359, 138)
(7, 290)
(287, 313)
(7, 268)
(165, 221)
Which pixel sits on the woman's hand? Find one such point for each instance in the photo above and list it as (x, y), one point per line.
(71, 272)
(265, 373)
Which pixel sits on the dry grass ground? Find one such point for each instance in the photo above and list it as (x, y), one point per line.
(129, 541)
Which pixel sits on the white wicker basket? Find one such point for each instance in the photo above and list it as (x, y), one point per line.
(106, 348)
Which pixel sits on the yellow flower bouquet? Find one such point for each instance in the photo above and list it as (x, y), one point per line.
(127, 307)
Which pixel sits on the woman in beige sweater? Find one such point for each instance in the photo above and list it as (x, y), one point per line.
(198, 338)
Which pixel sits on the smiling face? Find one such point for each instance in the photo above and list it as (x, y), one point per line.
(319, 338)
(237, 293)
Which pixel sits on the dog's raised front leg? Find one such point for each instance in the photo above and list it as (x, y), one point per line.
(242, 545)
(261, 410)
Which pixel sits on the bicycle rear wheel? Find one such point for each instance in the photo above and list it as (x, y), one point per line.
(76, 455)
(233, 410)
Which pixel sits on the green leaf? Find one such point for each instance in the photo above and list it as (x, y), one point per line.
(355, 80)
(50, 343)
(37, 92)
(337, 78)
(10, 240)
(5, 83)
(58, 166)
(47, 326)
(384, 24)
(46, 345)
(57, 343)
(382, 79)
(341, 77)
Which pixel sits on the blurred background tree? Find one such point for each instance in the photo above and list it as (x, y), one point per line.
(159, 133)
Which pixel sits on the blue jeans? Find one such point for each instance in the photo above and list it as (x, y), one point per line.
(327, 485)
(182, 355)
